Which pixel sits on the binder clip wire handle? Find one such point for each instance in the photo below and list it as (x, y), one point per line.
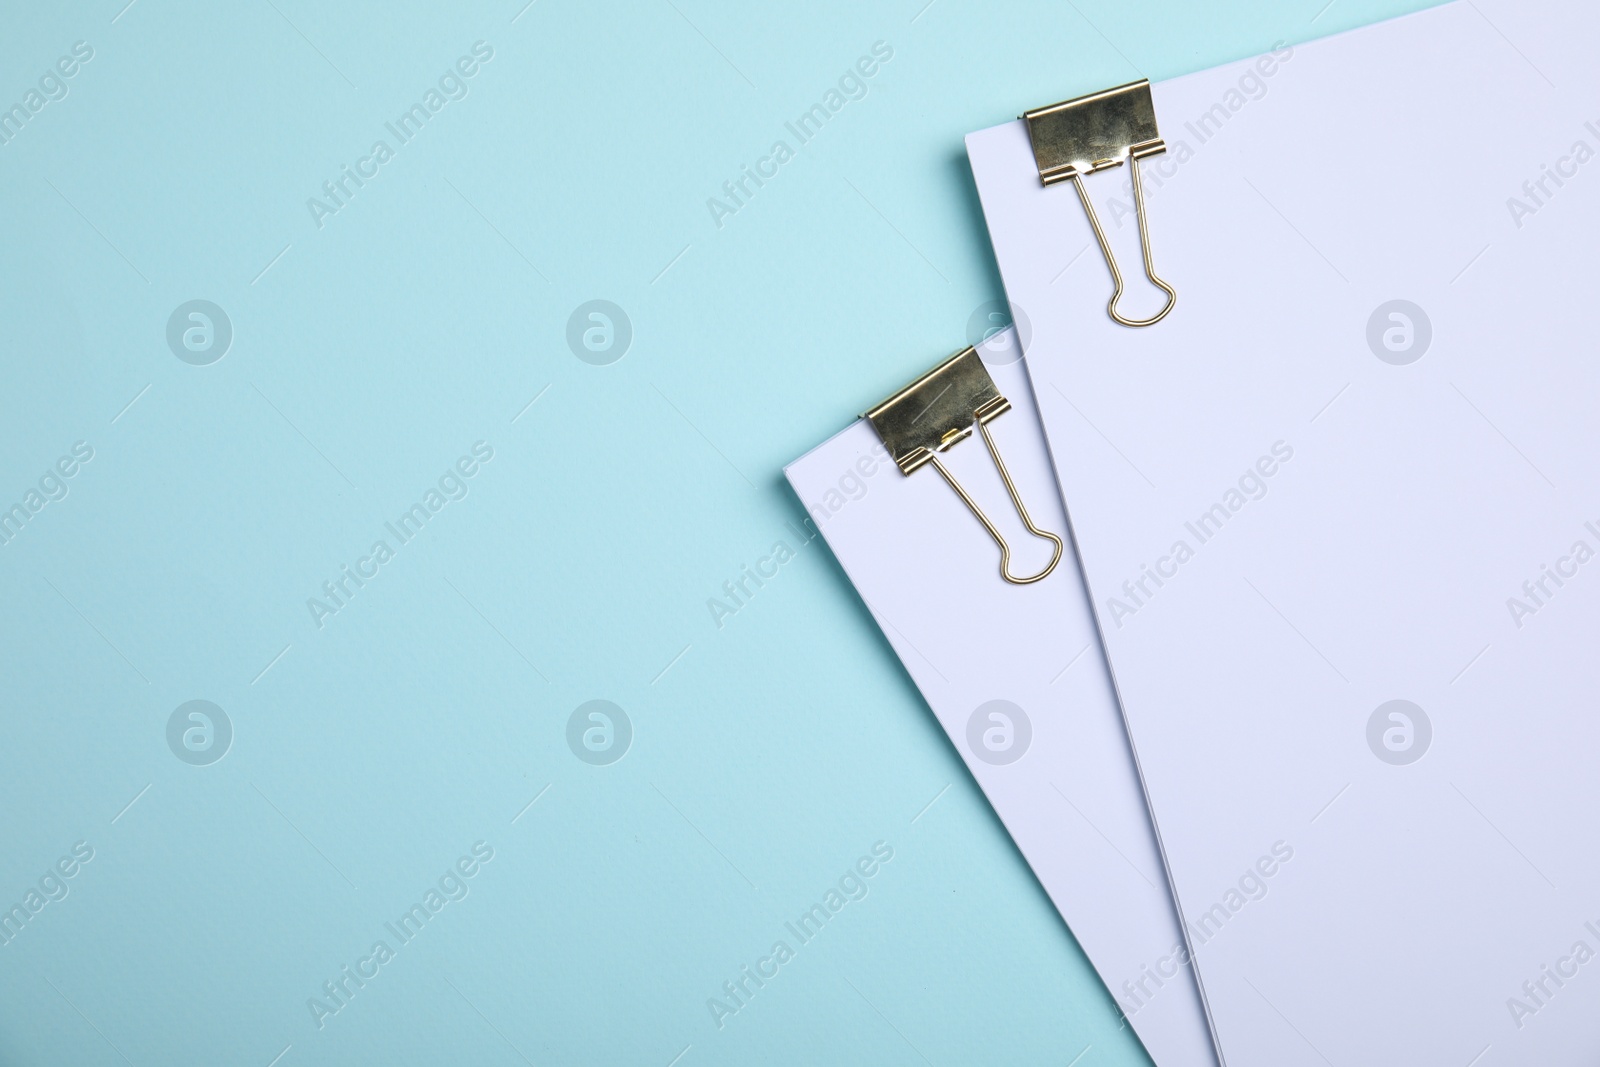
(1022, 512)
(1144, 246)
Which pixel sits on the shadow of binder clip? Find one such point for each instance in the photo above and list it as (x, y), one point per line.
(937, 411)
(1076, 138)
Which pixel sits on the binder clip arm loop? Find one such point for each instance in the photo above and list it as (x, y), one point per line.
(1144, 245)
(1022, 512)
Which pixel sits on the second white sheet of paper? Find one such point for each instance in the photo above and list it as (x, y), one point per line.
(1340, 521)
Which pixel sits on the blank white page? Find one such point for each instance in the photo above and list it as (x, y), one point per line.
(1015, 676)
(1339, 514)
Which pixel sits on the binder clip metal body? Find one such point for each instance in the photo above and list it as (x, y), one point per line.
(1076, 138)
(937, 411)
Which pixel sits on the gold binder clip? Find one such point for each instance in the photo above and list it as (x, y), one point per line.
(1075, 138)
(938, 410)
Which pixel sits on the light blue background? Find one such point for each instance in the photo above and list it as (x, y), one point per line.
(768, 754)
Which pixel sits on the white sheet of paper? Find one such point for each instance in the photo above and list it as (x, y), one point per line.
(1053, 758)
(1358, 464)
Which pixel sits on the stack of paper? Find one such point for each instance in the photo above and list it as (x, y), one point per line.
(1336, 513)
(1016, 677)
